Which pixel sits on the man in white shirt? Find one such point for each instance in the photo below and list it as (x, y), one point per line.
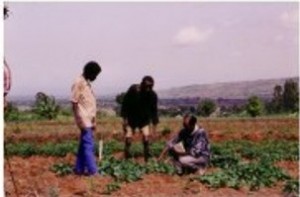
(84, 108)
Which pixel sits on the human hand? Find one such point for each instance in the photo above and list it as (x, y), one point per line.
(162, 154)
(79, 122)
(124, 124)
(179, 149)
(160, 157)
(153, 129)
(94, 124)
(179, 152)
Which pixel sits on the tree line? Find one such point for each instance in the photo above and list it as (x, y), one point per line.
(285, 100)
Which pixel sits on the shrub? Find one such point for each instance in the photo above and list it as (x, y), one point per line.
(254, 106)
(292, 186)
(254, 175)
(206, 107)
(45, 106)
(11, 113)
(62, 169)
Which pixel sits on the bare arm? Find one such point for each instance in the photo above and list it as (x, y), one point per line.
(166, 149)
(77, 115)
(163, 153)
(169, 146)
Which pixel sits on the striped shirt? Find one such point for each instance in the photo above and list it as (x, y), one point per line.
(196, 144)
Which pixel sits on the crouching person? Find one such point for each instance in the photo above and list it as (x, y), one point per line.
(190, 148)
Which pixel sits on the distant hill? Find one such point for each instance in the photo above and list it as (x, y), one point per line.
(234, 90)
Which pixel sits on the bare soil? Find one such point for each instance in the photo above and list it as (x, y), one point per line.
(33, 177)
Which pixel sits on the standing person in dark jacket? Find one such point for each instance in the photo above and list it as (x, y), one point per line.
(139, 111)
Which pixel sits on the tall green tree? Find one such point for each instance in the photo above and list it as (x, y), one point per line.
(254, 106)
(206, 107)
(277, 101)
(45, 106)
(291, 96)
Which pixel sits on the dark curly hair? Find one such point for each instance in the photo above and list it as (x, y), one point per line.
(91, 70)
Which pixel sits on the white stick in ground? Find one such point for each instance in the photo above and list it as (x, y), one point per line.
(100, 149)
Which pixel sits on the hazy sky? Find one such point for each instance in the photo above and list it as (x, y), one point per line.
(47, 44)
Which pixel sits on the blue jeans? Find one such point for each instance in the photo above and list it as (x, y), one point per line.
(85, 155)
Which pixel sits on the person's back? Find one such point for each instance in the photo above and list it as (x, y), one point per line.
(148, 107)
(197, 143)
(85, 99)
(139, 106)
(148, 102)
(130, 109)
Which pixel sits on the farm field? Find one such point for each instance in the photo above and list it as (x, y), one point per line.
(251, 157)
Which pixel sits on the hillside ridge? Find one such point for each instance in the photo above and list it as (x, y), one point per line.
(238, 90)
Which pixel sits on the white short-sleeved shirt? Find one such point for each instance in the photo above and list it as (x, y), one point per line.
(83, 95)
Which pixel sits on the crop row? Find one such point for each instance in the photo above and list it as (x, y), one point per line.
(120, 170)
(237, 163)
(252, 174)
(63, 148)
(223, 154)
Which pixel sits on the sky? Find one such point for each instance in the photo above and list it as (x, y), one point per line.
(47, 44)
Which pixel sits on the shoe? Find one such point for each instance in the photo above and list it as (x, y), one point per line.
(201, 171)
(78, 172)
(96, 174)
(179, 170)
